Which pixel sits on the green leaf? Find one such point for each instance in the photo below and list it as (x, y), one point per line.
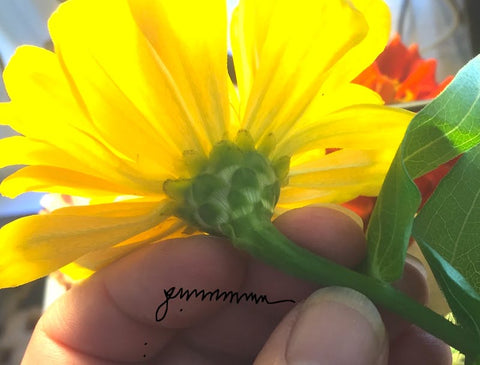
(447, 230)
(461, 296)
(450, 220)
(391, 223)
(447, 127)
(472, 361)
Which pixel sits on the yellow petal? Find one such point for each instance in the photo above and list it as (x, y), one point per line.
(34, 246)
(95, 260)
(292, 198)
(76, 272)
(18, 150)
(340, 97)
(343, 168)
(358, 127)
(325, 103)
(189, 39)
(334, 178)
(44, 109)
(115, 75)
(249, 27)
(36, 84)
(47, 179)
(86, 265)
(301, 43)
(53, 170)
(235, 123)
(377, 16)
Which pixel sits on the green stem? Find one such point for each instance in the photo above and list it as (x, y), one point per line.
(266, 243)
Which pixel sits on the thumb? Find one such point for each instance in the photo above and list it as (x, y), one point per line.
(334, 326)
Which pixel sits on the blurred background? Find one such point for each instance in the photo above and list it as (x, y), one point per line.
(446, 30)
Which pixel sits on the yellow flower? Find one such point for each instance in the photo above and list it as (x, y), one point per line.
(137, 95)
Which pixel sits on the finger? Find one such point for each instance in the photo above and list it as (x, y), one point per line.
(416, 347)
(413, 283)
(321, 229)
(330, 233)
(334, 326)
(111, 316)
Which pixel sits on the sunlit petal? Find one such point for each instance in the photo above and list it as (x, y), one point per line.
(95, 260)
(249, 27)
(377, 16)
(325, 103)
(189, 39)
(300, 45)
(367, 127)
(293, 198)
(43, 107)
(335, 177)
(340, 169)
(19, 150)
(46, 179)
(76, 272)
(115, 77)
(37, 245)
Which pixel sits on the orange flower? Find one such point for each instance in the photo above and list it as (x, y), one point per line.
(400, 74)
(363, 205)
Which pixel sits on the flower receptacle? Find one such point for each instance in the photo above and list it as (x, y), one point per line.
(235, 181)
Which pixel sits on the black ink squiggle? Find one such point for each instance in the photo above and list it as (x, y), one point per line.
(215, 295)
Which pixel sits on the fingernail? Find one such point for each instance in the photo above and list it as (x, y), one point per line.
(339, 208)
(337, 326)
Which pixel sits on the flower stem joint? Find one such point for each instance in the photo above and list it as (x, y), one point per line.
(234, 184)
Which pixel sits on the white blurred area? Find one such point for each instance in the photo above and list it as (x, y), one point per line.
(438, 26)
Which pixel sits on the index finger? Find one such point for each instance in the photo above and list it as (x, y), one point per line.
(111, 316)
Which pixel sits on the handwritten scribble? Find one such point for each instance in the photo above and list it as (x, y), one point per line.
(213, 295)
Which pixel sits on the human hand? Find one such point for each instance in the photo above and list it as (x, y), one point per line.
(116, 315)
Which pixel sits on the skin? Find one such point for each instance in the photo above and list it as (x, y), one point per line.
(110, 318)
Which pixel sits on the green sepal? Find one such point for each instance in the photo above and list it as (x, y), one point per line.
(267, 145)
(194, 161)
(282, 167)
(224, 155)
(245, 141)
(176, 189)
